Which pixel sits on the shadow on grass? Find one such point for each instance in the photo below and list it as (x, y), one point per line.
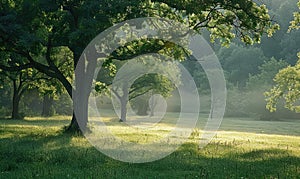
(43, 122)
(188, 162)
(61, 155)
(262, 154)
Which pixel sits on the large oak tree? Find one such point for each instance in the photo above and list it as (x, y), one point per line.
(33, 28)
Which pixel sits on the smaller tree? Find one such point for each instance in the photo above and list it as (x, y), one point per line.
(287, 87)
(142, 86)
(20, 79)
(21, 82)
(149, 84)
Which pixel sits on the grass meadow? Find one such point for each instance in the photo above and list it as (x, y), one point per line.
(243, 148)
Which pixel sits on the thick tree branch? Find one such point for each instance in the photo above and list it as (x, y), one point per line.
(139, 94)
(48, 71)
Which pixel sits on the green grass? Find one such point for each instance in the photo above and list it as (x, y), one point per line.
(243, 148)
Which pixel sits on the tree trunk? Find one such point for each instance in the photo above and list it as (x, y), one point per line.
(142, 108)
(152, 105)
(15, 107)
(151, 112)
(84, 73)
(124, 100)
(16, 101)
(80, 115)
(123, 109)
(48, 109)
(73, 127)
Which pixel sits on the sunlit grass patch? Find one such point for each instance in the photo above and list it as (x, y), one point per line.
(144, 132)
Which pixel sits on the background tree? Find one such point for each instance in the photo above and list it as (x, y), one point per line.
(287, 80)
(282, 13)
(240, 62)
(267, 71)
(21, 80)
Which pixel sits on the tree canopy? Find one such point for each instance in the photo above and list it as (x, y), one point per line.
(33, 29)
